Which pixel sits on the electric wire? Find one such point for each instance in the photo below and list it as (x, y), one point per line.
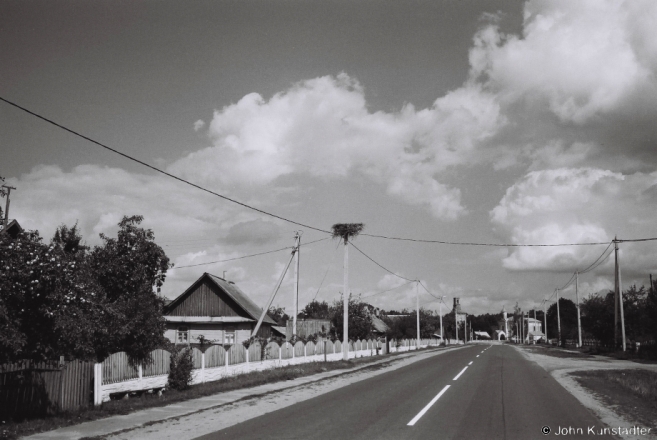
(387, 290)
(173, 176)
(327, 271)
(247, 256)
(382, 267)
(253, 208)
(592, 265)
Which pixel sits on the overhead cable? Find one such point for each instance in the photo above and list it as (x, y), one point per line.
(387, 270)
(173, 176)
(246, 256)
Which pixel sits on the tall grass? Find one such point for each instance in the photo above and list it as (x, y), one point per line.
(642, 383)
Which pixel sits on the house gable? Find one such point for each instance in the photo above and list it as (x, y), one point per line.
(211, 296)
(205, 298)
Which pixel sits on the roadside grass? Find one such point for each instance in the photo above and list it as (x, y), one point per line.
(631, 393)
(10, 430)
(556, 352)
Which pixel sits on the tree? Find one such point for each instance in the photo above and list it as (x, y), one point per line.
(316, 310)
(278, 314)
(130, 269)
(360, 320)
(60, 299)
(568, 315)
(47, 303)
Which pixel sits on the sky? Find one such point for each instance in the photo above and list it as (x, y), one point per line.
(497, 122)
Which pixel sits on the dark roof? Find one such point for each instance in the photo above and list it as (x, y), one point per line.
(13, 228)
(230, 289)
(379, 325)
(240, 298)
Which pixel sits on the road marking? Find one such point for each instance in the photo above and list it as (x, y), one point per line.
(477, 355)
(429, 405)
(470, 363)
(459, 375)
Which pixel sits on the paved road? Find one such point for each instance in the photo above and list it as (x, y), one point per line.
(500, 395)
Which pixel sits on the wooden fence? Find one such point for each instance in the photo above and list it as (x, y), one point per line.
(32, 389)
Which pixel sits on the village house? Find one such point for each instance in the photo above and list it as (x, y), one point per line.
(214, 309)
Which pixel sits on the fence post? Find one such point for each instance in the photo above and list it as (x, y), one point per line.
(304, 350)
(141, 373)
(247, 356)
(226, 362)
(203, 367)
(98, 384)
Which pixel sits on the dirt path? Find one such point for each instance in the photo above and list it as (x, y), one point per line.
(560, 369)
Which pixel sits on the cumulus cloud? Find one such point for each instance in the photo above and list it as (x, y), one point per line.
(257, 232)
(581, 73)
(323, 128)
(576, 205)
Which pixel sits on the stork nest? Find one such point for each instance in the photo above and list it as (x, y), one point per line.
(346, 230)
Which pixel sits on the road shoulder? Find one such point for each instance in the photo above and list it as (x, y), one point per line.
(561, 368)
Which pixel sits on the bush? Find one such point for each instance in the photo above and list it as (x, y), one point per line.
(180, 373)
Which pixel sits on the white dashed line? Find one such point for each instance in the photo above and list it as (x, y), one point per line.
(429, 405)
(470, 363)
(459, 375)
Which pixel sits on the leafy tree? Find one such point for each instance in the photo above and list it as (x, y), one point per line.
(60, 299)
(278, 314)
(129, 269)
(360, 319)
(47, 300)
(316, 310)
(568, 314)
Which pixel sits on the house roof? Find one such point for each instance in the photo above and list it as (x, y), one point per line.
(379, 325)
(13, 228)
(234, 292)
(279, 329)
(207, 319)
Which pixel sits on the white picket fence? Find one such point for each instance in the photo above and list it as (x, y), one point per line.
(116, 376)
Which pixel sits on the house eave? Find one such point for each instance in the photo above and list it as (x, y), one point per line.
(208, 319)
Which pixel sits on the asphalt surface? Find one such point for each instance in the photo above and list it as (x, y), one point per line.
(500, 395)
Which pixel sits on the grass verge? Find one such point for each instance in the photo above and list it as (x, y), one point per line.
(631, 393)
(10, 430)
(555, 352)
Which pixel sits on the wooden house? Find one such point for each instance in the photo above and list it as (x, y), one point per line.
(216, 309)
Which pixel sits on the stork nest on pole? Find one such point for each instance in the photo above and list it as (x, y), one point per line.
(346, 230)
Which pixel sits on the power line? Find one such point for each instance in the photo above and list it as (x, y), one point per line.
(388, 290)
(180, 179)
(462, 243)
(327, 271)
(592, 265)
(387, 270)
(247, 256)
(232, 259)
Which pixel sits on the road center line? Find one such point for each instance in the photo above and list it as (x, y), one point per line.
(429, 405)
(459, 375)
(477, 355)
(470, 363)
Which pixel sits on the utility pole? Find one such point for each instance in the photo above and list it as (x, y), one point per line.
(297, 243)
(579, 321)
(456, 323)
(558, 321)
(6, 219)
(344, 231)
(442, 335)
(417, 306)
(545, 318)
(618, 293)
